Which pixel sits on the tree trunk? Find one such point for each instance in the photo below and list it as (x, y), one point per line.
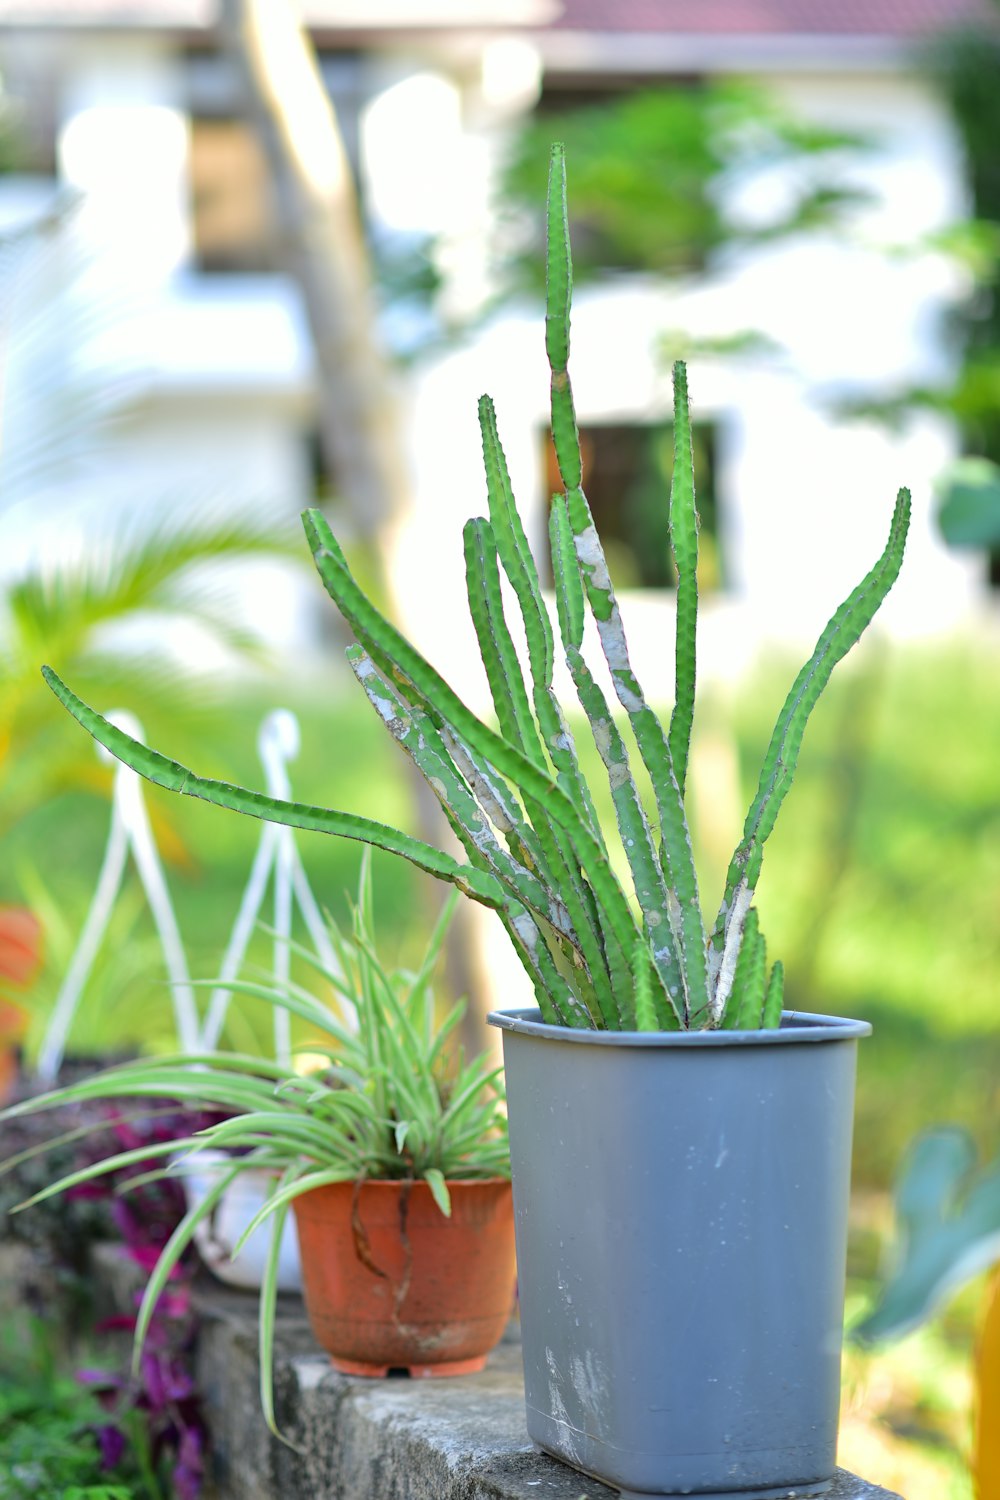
(323, 247)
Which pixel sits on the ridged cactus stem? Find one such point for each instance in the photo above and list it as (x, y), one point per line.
(519, 566)
(517, 799)
(684, 544)
(556, 1000)
(177, 778)
(725, 976)
(840, 634)
(500, 807)
(496, 646)
(774, 999)
(518, 726)
(637, 839)
(413, 731)
(746, 1002)
(406, 665)
(646, 1018)
(569, 917)
(684, 913)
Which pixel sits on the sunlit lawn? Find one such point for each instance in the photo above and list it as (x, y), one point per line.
(880, 890)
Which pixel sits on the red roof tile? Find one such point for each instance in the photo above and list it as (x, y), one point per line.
(862, 18)
(889, 19)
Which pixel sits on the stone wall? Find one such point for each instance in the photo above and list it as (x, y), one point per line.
(356, 1439)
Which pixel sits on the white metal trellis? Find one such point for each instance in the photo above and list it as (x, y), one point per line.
(130, 831)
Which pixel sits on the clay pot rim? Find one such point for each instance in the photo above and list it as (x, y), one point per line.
(415, 1182)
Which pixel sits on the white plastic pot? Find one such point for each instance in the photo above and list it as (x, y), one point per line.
(217, 1234)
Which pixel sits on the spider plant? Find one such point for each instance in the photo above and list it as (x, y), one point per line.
(601, 952)
(389, 1099)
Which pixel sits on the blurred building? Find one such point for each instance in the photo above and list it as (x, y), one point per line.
(163, 319)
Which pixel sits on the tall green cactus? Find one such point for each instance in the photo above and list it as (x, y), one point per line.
(599, 953)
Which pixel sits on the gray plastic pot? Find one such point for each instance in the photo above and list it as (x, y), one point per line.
(680, 1204)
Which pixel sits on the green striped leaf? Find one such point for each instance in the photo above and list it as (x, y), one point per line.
(268, 1312)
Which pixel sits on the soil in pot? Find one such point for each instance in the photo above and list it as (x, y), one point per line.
(390, 1283)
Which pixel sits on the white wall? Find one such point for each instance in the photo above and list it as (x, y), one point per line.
(217, 374)
(136, 393)
(806, 497)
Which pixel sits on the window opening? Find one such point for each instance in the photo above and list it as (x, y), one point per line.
(626, 476)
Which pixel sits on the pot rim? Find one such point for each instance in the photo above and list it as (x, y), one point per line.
(796, 1026)
(413, 1182)
(384, 1184)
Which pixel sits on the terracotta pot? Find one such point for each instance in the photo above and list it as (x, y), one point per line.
(390, 1283)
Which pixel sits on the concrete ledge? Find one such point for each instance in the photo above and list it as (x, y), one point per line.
(356, 1439)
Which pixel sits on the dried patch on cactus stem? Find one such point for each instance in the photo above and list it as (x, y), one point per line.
(742, 902)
